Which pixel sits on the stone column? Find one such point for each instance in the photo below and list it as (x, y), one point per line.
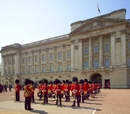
(32, 62)
(90, 52)
(123, 46)
(80, 53)
(100, 52)
(64, 58)
(47, 59)
(15, 63)
(11, 68)
(7, 64)
(18, 62)
(39, 61)
(55, 58)
(72, 55)
(3, 66)
(113, 48)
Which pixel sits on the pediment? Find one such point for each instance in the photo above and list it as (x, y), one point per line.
(97, 23)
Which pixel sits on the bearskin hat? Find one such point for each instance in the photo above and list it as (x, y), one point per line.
(81, 81)
(67, 81)
(70, 82)
(17, 81)
(57, 81)
(63, 81)
(32, 82)
(27, 81)
(85, 80)
(40, 82)
(89, 82)
(75, 79)
(50, 82)
(45, 81)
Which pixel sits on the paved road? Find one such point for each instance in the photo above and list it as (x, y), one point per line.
(113, 101)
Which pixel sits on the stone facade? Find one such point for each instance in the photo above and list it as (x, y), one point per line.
(96, 49)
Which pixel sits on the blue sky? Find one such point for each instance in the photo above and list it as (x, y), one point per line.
(25, 21)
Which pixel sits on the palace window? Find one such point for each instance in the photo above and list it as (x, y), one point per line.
(51, 69)
(43, 69)
(106, 47)
(106, 62)
(23, 60)
(69, 67)
(59, 68)
(23, 71)
(95, 49)
(59, 55)
(36, 70)
(36, 58)
(51, 56)
(95, 63)
(43, 57)
(86, 64)
(86, 50)
(68, 54)
(29, 60)
(128, 45)
(129, 62)
(29, 70)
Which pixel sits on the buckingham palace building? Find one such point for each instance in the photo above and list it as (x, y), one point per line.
(97, 49)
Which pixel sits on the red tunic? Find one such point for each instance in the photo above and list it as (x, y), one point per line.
(67, 88)
(58, 89)
(45, 89)
(86, 87)
(17, 88)
(81, 89)
(75, 89)
(40, 87)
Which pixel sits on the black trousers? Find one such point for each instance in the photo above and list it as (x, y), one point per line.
(45, 99)
(76, 98)
(81, 98)
(17, 96)
(32, 98)
(27, 103)
(67, 96)
(58, 96)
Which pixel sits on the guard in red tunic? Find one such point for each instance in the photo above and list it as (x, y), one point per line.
(50, 86)
(17, 90)
(86, 89)
(58, 90)
(39, 94)
(28, 91)
(81, 91)
(33, 89)
(45, 91)
(62, 92)
(67, 91)
(75, 91)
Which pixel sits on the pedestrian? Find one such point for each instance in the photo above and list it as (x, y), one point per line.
(10, 87)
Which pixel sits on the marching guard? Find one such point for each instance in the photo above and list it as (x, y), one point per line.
(67, 91)
(17, 90)
(40, 90)
(81, 90)
(58, 90)
(75, 92)
(45, 91)
(28, 91)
